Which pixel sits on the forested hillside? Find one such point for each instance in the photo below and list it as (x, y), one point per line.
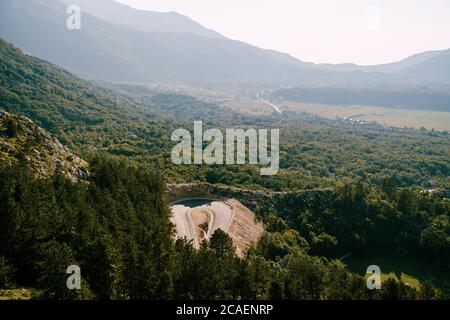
(115, 223)
(77, 112)
(315, 152)
(424, 99)
(116, 228)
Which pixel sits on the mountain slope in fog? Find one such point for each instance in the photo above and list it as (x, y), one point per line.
(149, 21)
(102, 50)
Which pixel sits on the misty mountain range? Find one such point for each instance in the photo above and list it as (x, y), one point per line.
(107, 51)
(148, 21)
(406, 66)
(119, 43)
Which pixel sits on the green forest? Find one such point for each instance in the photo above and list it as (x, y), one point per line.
(315, 152)
(114, 223)
(116, 228)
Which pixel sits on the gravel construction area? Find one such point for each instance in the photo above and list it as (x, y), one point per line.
(201, 220)
(223, 214)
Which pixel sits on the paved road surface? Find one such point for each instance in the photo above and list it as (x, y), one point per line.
(223, 214)
(181, 221)
(277, 109)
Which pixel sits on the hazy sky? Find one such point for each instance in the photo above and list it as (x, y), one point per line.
(323, 31)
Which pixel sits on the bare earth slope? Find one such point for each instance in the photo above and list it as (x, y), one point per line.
(197, 219)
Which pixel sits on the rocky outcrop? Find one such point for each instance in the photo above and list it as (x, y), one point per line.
(22, 140)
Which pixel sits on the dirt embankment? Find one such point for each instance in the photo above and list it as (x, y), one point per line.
(202, 220)
(244, 229)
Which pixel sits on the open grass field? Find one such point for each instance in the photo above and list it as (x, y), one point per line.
(388, 116)
(410, 269)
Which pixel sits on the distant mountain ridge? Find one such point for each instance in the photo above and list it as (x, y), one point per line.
(433, 69)
(386, 67)
(147, 21)
(107, 51)
(400, 99)
(119, 43)
(435, 60)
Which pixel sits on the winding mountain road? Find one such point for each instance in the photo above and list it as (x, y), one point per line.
(223, 214)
